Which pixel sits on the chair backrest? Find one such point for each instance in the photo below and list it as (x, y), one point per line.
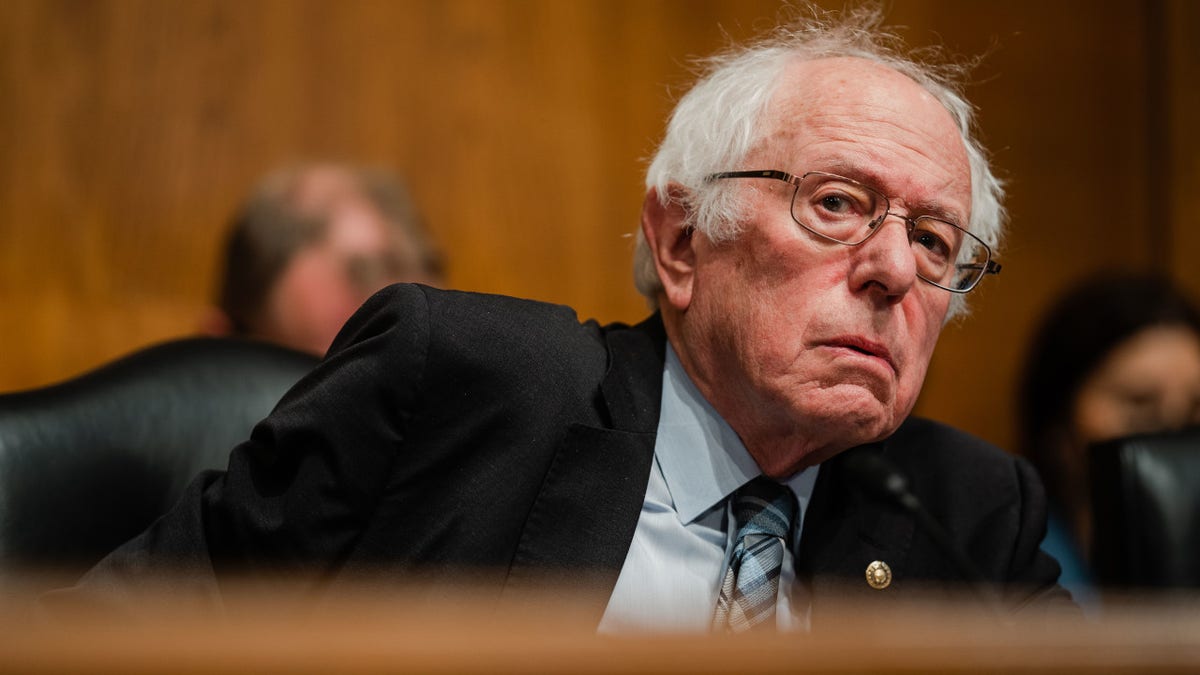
(89, 463)
(1146, 509)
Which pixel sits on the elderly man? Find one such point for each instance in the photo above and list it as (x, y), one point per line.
(816, 212)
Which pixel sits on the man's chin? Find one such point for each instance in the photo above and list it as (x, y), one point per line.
(817, 433)
(851, 420)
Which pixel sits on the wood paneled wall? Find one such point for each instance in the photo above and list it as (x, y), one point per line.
(130, 129)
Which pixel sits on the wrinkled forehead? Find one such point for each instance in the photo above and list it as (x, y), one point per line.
(856, 116)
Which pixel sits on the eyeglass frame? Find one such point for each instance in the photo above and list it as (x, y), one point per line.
(989, 266)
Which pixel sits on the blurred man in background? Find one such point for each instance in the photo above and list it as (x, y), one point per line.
(312, 243)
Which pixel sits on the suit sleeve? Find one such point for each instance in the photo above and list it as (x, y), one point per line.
(297, 495)
(1032, 573)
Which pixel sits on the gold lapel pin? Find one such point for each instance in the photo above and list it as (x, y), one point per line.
(879, 575)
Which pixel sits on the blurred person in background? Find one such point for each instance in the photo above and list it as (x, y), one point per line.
(1116, 355)
(309, 246)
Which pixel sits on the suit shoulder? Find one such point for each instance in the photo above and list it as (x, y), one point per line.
(502, 319)
(512, 343)
(934, 453)
(928, 437)
(961, 467)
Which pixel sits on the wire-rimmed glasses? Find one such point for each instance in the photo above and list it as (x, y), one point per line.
(844, 211)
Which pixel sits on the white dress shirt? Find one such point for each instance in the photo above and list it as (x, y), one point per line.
(673, 571)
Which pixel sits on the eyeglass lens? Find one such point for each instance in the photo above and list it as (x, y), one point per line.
(849, 213)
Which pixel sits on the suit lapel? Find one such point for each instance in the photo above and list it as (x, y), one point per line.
(632, 386)
(580, 526)
(844, 532)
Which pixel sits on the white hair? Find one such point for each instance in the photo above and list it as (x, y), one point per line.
(720, 120)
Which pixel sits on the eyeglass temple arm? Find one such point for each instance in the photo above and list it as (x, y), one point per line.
(991, 267)
(762, 173)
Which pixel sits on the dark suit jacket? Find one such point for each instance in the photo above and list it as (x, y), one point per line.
(452, 433)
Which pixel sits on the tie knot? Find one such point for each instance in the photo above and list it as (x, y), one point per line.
(764, 507)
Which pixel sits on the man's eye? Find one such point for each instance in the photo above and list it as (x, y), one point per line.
(932, 243)
(835, 204)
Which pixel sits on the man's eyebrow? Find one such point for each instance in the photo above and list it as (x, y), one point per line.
(936, 210)
(865, 175)
(873, 178)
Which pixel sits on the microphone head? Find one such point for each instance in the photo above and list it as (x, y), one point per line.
(877, 477)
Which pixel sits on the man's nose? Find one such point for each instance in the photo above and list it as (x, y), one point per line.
(886, 260)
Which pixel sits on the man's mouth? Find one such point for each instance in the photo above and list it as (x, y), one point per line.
(865, 347)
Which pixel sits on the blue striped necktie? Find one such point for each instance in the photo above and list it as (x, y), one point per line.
(763, 511)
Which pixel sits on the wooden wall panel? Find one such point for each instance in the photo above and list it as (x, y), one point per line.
(131, 128)
(1062, 107)
(1181, 21)
(134, 127)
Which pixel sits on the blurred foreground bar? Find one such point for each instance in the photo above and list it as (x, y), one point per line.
(372, 632)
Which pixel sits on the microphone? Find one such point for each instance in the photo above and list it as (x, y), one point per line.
(880, 479)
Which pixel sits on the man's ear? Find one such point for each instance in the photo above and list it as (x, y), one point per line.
(670, 239)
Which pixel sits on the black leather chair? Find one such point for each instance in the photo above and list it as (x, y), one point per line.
(1146, 509)
(89, 463)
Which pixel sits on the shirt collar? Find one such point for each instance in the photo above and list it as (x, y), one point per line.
(702, 460)
(701, 457)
